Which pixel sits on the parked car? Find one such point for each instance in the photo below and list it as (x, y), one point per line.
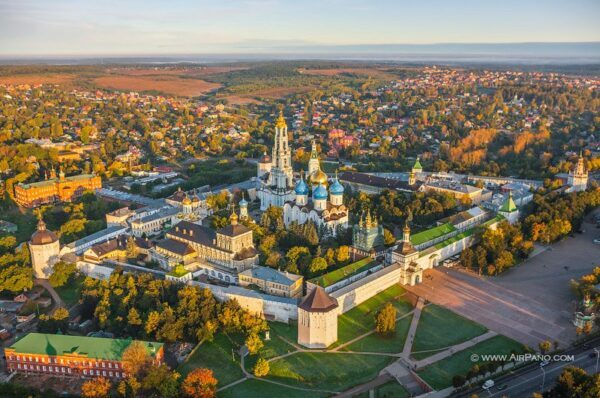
(544, 363)
(597, 241)
(488, 384)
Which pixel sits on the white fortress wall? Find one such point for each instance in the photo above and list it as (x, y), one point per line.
(357, 292)
(276, 308)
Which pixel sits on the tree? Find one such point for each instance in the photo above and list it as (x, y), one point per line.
(135, 359)
(343, 254)
(385, 321)
(261, 368)
(317, 264)
(62, 273)
(200, 383)
(254, 343)
(545, 346)
(162, 380)
(96, 388)
(458, 381)
(388, 237)
(131, 247)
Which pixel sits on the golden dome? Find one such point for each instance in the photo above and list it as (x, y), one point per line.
(280, 124)
(187, 201)
(318, 177)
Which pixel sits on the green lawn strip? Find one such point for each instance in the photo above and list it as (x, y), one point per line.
(216, 355)
(432, 233)
(361, 318)
(376, 343)
(440, 328)
(391, 390)
(275, 346)
(69, 293)
(254, 388)
(347, 271)
(327, 371)
(439, 375)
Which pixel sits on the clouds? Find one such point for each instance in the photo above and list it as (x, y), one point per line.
(185, 26)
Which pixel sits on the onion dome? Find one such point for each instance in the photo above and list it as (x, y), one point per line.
(336, 188)
(265, 158)
(320, 192)
(280, 124)
(243, 203)
(318, 178)
(301, 187)
(42, 236)
(187, 200)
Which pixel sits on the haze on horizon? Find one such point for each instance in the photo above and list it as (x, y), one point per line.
(137, 27)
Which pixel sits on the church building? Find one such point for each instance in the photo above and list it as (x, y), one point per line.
(275, 175)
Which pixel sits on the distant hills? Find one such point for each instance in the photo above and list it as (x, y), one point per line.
(486, 53)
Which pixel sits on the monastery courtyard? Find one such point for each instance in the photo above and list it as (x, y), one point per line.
(530, 303)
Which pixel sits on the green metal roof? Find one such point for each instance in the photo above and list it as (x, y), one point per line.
(430, 234)
(417, 165)
(91, 347)
(509, 205)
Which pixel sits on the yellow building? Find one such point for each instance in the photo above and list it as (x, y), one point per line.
(51, 190)
(271, 281)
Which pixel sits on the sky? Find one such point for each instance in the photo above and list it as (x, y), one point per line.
(149, 27)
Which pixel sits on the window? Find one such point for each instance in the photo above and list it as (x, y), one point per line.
(44, 368)
(110, 374)
(85, 371)
(19, 366)
(25, 367)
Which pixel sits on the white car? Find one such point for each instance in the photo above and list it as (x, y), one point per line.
(488, 384)
(597, 241)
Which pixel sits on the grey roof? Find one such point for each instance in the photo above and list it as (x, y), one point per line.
(163, 213)
(98, 235)
(271, 275)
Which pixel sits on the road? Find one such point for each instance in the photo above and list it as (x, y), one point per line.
(523, 383)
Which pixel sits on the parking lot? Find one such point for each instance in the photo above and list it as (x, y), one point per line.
(529, 303)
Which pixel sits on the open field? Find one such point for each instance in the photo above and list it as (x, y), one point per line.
(173, 85)
(361, 319)
(440, 328)
(36, 79)
(391, 390)
(376, 343)
(439, 375)
(217, 356)
(372, 72)
(254, 388)
(332, 372)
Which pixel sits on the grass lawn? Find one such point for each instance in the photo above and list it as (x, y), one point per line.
(69, 293)
(215, 355)
(259, 389)
(361, 318)
(440, 328)
(391, 390)
(377, 343)
(347, 271)
(332, 372)
(439, 375)
(275, 346)
(432, 233)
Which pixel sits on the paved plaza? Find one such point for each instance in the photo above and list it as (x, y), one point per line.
(530, 303)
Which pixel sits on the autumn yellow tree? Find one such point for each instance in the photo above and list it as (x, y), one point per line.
(96, 388)
(200, 383)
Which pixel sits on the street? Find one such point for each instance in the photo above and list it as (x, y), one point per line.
(524, 383)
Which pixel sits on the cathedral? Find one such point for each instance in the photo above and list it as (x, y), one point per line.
(310, 199)
(367, 235)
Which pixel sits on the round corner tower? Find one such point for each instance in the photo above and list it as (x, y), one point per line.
(45, 249)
